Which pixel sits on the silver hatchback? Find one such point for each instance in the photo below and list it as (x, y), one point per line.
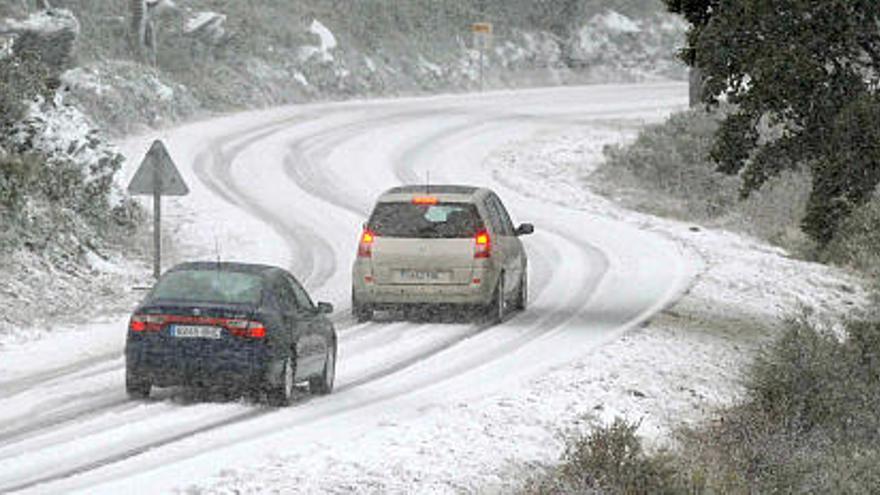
(440, 245)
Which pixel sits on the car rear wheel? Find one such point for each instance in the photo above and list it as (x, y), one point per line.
(497, 308)
(323, 384)
(361, 312)
(137, 387)
(522, 296)
(281, 394)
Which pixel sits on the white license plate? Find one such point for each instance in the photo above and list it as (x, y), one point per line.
(424, 276)
(196, 331)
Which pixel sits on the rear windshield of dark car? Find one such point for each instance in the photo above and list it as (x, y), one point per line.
(209, 286)
(434, 221)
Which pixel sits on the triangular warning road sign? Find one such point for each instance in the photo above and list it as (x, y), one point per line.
(158, 172)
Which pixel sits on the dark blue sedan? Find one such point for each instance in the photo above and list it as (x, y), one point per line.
(233, 325)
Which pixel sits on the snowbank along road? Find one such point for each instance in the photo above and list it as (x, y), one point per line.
(292, 187)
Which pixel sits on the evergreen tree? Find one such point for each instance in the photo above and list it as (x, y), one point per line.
(808, 70)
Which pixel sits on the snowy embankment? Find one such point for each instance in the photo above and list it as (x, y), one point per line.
(326, 57)
(62, 267)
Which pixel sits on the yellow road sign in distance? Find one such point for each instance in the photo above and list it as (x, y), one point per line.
(482, 27)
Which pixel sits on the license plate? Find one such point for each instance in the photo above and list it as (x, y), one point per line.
(424, 276)
(196, 331)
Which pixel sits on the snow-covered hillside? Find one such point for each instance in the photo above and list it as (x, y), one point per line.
(204, 67)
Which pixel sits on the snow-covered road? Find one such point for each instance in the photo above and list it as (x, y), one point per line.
(292, 187)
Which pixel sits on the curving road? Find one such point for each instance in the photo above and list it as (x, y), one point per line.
(292, 186)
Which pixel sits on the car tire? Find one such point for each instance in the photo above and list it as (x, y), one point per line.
(522, 296)
(497, 307)
(362, 312)
(281, 394)
(136, 387)
(323, 383)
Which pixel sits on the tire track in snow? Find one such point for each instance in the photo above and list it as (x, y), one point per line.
(13, 387)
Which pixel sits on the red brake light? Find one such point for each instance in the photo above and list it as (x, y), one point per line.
(256, 330)
(146, 323)
(482, 246)
(365, 248)
(424, 200)
(245, 328)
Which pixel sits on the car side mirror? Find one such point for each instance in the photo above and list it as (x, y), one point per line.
(525, 229)
(325, 308)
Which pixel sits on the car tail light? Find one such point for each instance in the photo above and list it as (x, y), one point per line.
(365, 247)
(246, 328)
(146, 323)
(482, 245)
(424, 200)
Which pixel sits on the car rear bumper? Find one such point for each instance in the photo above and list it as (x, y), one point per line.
(470, 294)
(165, 364)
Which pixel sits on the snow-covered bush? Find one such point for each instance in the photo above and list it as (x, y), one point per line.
(79, 167)
(808, 423)
(671, 161)
(124, 96)
(57, 183)
(775, 211)
(640, 47)
(610, 459)
(673, 158)
(810, 420)
(22, 79)
(857, 242)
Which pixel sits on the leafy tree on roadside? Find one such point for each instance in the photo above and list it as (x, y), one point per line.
(803, 76)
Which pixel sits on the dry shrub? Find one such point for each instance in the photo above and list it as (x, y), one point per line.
(775, 211)
(810, 422)
(857, 242)
(610, 459)
(672, 158)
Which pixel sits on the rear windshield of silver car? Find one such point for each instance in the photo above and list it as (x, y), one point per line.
(214, 286)
(425, 221)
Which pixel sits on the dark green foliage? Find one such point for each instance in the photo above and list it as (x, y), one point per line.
(697, 13)
(38, 193)
(17, 178)
(857, 242)
(846, 176)
(22, 79)
(808, 67)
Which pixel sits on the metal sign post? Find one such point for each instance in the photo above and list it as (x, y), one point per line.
(157, 176)
(157, 223)
(482, 34)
